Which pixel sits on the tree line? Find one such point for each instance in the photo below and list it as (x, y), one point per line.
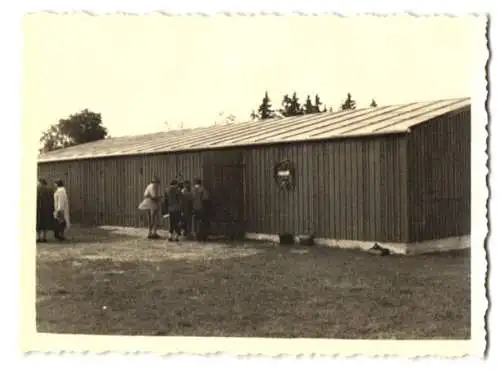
(86, 126)
(290, 106)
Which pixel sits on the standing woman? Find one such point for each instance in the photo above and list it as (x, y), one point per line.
(152, 204)
(61, 210)
(44, 210)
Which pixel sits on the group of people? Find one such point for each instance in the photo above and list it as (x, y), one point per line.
(52, 210)
(187, 209)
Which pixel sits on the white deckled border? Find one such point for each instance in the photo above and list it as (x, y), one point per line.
(30, 340)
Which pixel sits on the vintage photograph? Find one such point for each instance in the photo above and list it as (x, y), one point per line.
(254, 176)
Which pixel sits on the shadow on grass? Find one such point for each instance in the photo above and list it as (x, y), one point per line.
(83, 234)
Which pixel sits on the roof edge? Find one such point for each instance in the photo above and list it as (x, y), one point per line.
(51, 157)
(226, 147)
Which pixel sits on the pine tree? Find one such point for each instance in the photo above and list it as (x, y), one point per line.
(285, 106)
(373, 104)
(317, 104)
(291, 106)
(265, 111)
(308, 107)
(349, 103)
(295, 108)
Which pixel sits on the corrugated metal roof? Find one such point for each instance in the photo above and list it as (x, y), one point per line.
(360, 122)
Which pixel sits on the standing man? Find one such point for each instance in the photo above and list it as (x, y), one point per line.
(200, 209)
(187, 208)
(174, 210)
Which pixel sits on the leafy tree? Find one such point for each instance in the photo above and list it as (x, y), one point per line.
(265, 111)
(83, 127)
(373, 104)
(349, 103)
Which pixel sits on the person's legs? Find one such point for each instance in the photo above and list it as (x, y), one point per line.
(203, 226)
(179, 225)
(171, 226)
(44, 235)
(159, 219)
(183, 223)
(174, 228)
(171, 223)
(155, 223)
(62, 230)
(57, 230)
(150, 223)
(196, 228)
(188, 223)
(59, 233)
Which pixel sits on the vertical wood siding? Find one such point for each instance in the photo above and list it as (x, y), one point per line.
(439, 177)
(345, 189)
(107, 191)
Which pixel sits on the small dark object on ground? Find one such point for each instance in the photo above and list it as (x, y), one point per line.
(286, 239)
(379, 250)
(307, 240)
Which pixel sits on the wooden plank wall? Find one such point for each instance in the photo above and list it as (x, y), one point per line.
(439, 177)
(345, 189)
(108, 190)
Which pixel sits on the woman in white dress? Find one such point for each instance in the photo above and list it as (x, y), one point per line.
(152, 204)
(61, 211)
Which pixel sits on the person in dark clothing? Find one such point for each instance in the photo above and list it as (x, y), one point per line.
(173, 196)
(200, 209)
(187, 208)
(44, 210)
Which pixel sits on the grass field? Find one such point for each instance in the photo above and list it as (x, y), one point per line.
(112, 283)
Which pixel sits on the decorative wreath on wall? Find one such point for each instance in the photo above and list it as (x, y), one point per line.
(284, 175)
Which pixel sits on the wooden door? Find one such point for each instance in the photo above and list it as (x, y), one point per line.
(224, 177)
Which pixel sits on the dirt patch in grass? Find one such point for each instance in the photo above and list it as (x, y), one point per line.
(126, 285)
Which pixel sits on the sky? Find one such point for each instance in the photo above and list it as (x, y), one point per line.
(141, 72)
